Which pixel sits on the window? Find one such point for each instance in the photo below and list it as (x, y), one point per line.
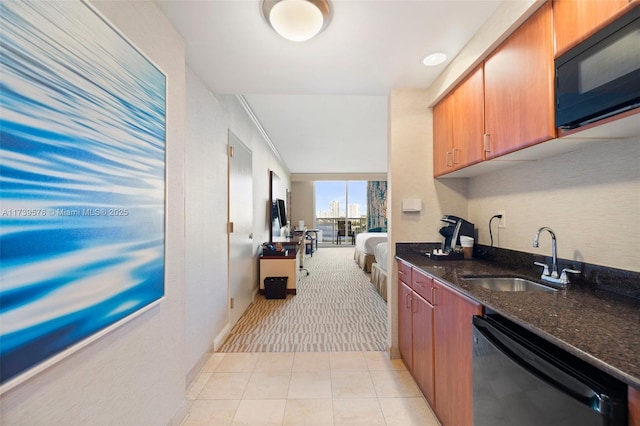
(338, 200)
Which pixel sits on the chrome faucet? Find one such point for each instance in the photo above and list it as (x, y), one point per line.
(553, 277)
(554, 250)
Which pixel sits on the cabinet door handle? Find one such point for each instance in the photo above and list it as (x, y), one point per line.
(408, 301)
(487, 142)
(448, 159)
(455, 156)
(433, 296)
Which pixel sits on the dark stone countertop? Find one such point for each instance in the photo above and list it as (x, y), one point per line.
(598, 326)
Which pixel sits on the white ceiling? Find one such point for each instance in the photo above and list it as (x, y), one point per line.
(323, 103)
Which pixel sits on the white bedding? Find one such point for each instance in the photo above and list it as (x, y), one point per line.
(366, 242)
(381, 253)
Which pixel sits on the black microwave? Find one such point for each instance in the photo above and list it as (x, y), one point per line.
(600, 77)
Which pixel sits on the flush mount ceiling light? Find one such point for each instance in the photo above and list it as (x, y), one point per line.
(434, 59)
(297, 20)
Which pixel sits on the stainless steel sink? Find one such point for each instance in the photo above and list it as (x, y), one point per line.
(506, 283)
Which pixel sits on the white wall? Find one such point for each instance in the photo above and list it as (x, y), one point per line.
(209, 119)
(138, 374)
(206, 220)
(135, 374)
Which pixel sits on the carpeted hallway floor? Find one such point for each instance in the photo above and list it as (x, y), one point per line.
(336, 309)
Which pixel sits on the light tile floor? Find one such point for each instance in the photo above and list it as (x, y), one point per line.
(306, 388)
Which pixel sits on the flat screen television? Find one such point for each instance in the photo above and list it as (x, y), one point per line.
(282, 212)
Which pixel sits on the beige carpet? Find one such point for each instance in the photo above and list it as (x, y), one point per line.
(336, 309)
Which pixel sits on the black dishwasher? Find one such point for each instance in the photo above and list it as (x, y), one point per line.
(521, 379)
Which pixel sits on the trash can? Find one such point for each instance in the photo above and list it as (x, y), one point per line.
(275, 287)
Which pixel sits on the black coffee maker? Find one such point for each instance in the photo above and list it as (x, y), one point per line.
(455, 226)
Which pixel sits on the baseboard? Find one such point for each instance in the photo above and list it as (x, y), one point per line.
(394, 352)
(180, 415)
(192, 375)
(220, 338)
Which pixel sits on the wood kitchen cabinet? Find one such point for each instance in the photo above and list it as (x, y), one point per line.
(458, 126)
(518, 88)
(453, 355)
(634, 406)
(405, 328)
(443, 136)
(405, 324)
(575, 20)
(435, 342)
(423, 345)
(415, 324)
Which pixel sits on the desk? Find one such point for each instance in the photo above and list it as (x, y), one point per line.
(281, 266)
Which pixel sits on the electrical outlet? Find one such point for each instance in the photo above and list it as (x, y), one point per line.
(503, 220)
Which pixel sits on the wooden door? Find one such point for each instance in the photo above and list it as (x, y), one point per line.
(453, 355)
(468, 120)
(575, 20)
(404, 323)
(443, 137)
(519, 109)
(423, 367)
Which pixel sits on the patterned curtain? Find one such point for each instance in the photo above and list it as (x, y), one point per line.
(377, 205)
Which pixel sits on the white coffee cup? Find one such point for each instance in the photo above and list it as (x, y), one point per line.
(467, 246)
(466, 241)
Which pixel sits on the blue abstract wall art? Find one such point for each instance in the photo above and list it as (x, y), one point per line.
(82, 182)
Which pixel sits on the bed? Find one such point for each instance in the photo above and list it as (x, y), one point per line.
(379, 269)
(366, 243)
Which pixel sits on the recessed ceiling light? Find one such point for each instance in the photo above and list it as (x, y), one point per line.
(434, 59)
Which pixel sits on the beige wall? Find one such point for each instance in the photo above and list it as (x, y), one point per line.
(589, 197)
(302, 203)
(411, 176)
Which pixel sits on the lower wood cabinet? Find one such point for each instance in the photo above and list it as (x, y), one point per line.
(405, 323)
(634, 406)
(435, 332)
(423, 354)
(453, 355)
(435, 343)
(415, 325)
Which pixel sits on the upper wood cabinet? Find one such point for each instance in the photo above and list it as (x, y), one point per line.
(518, 88)
(443, 136)
(459, 126)
(575, 20)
